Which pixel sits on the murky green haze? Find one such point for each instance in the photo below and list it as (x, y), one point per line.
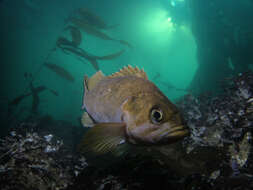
(30, 29)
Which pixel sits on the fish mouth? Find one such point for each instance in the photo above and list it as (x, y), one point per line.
(178, 132)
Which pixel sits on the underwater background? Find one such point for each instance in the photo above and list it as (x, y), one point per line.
(30, 29)
(191, 49)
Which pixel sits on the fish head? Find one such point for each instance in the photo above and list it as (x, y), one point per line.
(152, 119)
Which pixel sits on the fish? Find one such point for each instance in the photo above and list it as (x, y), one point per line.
(93, 19)
(125, 108)
(60, 71)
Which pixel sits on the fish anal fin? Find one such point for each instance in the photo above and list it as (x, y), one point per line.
(91, 82)
(130, 71)
(103, 138)
(86, 120)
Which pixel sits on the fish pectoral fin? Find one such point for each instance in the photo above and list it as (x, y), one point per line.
(103, 138)
(86, 120)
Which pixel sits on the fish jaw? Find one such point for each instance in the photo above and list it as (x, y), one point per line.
(151, 134)
(177, 133)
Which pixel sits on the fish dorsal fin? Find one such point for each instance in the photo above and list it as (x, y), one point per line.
(130, 71)
(91, 82)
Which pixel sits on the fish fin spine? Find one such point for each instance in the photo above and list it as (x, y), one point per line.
(91, 82)
(130, 71)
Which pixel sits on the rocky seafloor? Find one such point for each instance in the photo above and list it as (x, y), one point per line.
(40, 154)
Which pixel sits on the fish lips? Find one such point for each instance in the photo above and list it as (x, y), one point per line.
(171, 135)
(176, 133)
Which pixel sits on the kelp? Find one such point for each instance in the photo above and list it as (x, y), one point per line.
(60, 71)
(54, 92)
(82, 53)
(34, 92)
(91, 30)
(94, 19)
(18, 99)
(61, 41)
(91, 58)
(123, 42)
(167, 84)
(110, 56)
(35, 98)
(76, 35)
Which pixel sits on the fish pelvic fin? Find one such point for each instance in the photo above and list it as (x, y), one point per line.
(130, 71)
(90, 83)
(103, 138)
(86, 120)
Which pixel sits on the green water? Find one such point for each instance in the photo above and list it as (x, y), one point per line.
(159, 46)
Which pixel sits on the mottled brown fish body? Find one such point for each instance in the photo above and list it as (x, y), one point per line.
(128, 97)
(104, 102)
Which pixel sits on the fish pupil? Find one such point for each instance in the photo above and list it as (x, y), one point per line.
(156, 116)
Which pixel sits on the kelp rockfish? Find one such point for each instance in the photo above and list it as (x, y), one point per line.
(126, 107)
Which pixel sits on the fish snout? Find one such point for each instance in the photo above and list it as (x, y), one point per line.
(177, 132)
(152, 134)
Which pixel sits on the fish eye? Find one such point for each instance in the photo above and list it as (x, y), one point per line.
(156, 116)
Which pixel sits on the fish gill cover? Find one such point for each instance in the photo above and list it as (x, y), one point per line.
(198, 53)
